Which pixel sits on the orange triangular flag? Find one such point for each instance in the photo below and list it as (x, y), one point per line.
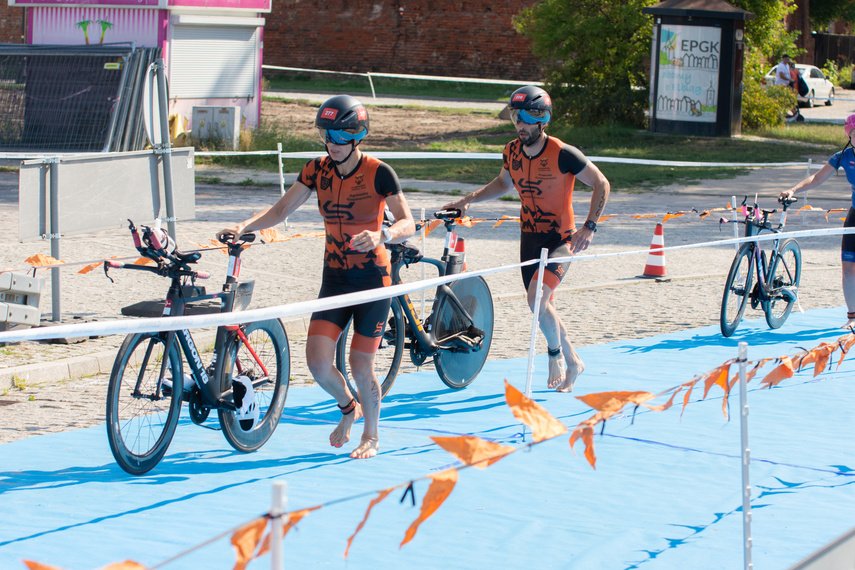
(467, 222)
(669, 216)
(245, 539)
(126, 565)
(504, 219)
(143, 261)
(782, 371)
(718, 377)
(543, 425)
(38, 566)
(271, 235)
(587, 435)
(95, 265)
(639, 216)
(845, 345)
(611, 402)
(377, 500)
(291, 522)
(604, 218)
(821, 355)
(432, 226)
(473, 450)
(440, 488)
(40, 260)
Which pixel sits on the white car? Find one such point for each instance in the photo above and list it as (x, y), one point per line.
(819, 87)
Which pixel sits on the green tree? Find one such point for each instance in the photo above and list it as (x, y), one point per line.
(823, 12)
(596, 53)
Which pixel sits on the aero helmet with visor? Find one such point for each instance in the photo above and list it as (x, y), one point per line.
(342, 120)
(530, 105)
(849, 124)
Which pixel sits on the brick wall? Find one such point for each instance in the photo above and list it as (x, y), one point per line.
(471, 38)
(11, 24)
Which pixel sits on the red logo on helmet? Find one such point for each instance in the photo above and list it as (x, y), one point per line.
(519, 97)
(361, 114)
(546, 99)
(329, 114)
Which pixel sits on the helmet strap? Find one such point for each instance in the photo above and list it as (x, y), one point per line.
(353, 145)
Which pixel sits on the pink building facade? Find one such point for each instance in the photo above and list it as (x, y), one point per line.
(212, 48)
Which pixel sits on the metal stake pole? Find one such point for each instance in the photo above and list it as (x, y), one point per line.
(535, 322)
(166, 148)
(735, 222)
(746, 455)
(56, 309)
(280, 500)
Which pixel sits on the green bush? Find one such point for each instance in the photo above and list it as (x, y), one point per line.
(765, 105)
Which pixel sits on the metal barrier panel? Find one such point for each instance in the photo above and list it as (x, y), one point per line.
(102, 191)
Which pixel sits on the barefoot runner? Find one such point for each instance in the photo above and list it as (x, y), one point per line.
(353, 190)
(543, 170)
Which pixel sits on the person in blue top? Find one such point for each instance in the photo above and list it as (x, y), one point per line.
(844, 159)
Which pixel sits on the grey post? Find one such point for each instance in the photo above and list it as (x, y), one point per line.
(166, 147)
(746, 455)
(56, 309)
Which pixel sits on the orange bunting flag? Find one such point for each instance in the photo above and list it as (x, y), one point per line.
(95, 265)
(377, 500)
(821, 354)
(717, 377)
(704, 214)
(543, 424)
(291, 522)
(689, 389)
(611, 402)
(504, 219)
(432, 226)
(587, 435)
(126, 565)
(604, 218)
(143, 261)
(810, 208)
(40, 260)
(440, 488)
(473, 450)
(845, 345)
(38, 566)
(271, 235)
(669, 216)
(467, 222)
(781, 372)
(245, 539)
(639, 216)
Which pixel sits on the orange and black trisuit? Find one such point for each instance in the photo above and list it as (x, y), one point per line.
(349, 205)
(545, 185)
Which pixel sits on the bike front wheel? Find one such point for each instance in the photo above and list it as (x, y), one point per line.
(387, 359)
(785, 270)
(142, 411)
(737, 289)
(266, 360)
(457, 368)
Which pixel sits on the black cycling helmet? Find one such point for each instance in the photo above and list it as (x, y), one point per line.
(342, 119)
(534, 102)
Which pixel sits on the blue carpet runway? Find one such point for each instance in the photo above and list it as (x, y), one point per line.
(666, 492)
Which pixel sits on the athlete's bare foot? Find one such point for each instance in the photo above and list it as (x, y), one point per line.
(574, 368)
(367, 448)
(556, 371)
(341, 434)
(849, 324)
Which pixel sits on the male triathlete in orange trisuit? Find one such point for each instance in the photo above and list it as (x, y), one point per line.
(543, 170)
(353, 190)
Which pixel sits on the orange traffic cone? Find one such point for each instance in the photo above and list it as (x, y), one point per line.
(656, 258)
(460, 247)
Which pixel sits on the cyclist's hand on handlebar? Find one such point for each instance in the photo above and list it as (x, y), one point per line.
(787, 196)
(460, 205)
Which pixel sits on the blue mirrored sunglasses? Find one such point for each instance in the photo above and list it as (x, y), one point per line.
(518, 115)
(341, 137)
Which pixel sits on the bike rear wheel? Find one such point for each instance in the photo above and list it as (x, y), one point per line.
(387, 359)
(458, 369)
(270, 377)
(141, 415)
(737, 289)
(785, 269)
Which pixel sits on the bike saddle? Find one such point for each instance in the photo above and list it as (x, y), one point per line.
(188, 257)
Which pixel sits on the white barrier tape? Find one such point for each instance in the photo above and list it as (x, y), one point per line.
(393, 155)
(408, 76)
(160, 324)
(304, 307)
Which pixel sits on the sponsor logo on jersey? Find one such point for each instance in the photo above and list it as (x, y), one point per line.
(359, 178)
(326, 183)
(544, 162)
(329, 113)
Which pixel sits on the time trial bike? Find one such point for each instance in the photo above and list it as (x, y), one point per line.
(246, 381)
(456, 334)
(777, 278)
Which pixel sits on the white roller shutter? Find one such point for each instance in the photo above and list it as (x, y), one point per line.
(210, 61)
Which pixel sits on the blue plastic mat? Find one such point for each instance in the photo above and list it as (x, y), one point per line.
(666, 492)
